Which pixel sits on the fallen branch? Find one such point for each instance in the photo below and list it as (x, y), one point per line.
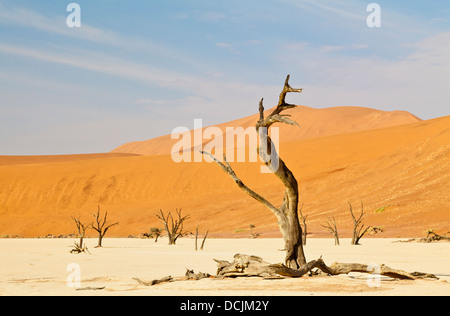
(245, 265)
(431, 237)
(253, 266)
(190, 275)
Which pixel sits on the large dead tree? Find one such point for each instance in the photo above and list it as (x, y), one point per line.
(295, 264)
(287, 213)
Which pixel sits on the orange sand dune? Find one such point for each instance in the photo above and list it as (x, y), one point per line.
(314, 123)
(403, 169)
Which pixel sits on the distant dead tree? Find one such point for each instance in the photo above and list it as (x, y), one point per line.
(252, 234)
(80, 247)
(174, 228)
(303, 218)
(331, 226)
(196, 238)
(100, 226)
(287, 213)
(358, 225)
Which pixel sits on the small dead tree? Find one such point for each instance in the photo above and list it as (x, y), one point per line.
(331, 226)
(100, 226)
(303, 218)
(80, 247)
(174, 228)
(252, 234)
(155, 231)
(358, 225)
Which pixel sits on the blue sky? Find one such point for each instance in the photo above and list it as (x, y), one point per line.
(138, 69)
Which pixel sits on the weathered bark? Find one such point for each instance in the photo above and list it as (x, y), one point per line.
(246, 265)
(287, 214)
(254, 266)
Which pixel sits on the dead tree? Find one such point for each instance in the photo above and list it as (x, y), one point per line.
(331, 226)
(287, 213)
(80, 247)
(303, 218)
(174, 228)
(100, 226)
(358, 225)
(196, 238)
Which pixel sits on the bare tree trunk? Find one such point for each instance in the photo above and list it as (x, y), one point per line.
(204, 239)
(331, 226)
(247, 265)
(287, 214)
(196, 237)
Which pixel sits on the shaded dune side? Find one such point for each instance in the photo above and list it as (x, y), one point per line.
(405, 169)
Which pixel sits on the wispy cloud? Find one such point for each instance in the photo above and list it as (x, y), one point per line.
(57, 25)
(411, 83)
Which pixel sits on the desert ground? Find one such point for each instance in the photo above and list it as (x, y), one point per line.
(44, 267)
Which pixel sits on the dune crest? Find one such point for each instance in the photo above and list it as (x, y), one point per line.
(314, 123)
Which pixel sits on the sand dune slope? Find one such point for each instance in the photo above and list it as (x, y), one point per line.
(404, 170)
(314, 123)
(25, 160)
